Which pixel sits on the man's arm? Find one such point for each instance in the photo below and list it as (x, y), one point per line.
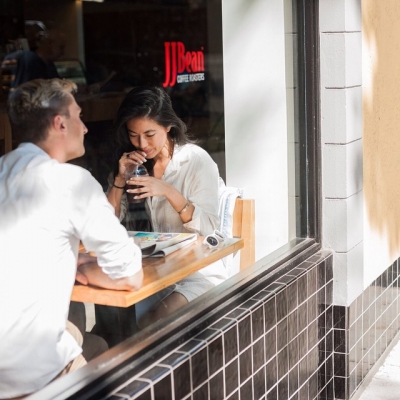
(89, 272)
(96, 225)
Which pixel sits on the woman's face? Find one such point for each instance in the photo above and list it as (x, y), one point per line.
(148, 136)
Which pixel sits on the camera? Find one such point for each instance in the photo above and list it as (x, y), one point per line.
(214, 240)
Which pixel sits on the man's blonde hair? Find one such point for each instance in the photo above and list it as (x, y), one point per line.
(34, 104)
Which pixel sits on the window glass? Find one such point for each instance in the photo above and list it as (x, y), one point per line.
(230, 68)
(154, 42)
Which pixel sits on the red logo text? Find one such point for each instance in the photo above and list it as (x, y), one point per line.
(181, 65)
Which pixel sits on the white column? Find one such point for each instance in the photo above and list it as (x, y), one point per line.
(342, 156)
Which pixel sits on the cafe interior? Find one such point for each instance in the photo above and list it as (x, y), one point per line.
(238, 339)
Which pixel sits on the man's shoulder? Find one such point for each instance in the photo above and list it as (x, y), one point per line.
(73, 173)
(62, 176)
(71, 183)
(21, 55)
(14, 56)
(30, 55)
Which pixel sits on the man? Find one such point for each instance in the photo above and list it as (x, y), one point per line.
(46, 207)
(38, 63)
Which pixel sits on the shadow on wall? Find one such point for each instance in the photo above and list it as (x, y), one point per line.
(381, 117)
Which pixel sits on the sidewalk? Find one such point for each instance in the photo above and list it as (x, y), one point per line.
(385, 385)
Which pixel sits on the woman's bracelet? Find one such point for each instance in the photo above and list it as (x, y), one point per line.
(118, 187)
(187, 205)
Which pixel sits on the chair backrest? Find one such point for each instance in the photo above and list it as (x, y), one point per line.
(243, 226)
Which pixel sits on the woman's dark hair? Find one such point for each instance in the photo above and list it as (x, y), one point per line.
(147, 102)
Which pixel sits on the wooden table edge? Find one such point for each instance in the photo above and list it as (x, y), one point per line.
(123, 298)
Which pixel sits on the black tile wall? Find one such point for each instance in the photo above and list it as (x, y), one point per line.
(279, 344)
(363, 331)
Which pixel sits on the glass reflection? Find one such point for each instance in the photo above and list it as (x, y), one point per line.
(112, 46)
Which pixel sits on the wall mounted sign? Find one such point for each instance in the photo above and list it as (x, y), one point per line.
(182, 66)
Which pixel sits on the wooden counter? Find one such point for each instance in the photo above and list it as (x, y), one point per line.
(159, 273)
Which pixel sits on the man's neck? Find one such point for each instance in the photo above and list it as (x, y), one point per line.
(52, 150)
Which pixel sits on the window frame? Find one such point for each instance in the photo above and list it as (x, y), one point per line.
(139, 351)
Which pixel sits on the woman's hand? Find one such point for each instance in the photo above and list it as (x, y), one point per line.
(149, 186)
(116, 191)
(133, 157)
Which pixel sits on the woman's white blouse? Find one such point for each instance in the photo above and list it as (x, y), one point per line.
(195, 175)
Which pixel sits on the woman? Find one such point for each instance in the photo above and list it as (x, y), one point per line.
(181, 190)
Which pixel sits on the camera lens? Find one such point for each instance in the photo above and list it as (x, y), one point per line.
(212, 241)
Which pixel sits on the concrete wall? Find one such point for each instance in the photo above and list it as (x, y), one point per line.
(342, 154)
(381, 117)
